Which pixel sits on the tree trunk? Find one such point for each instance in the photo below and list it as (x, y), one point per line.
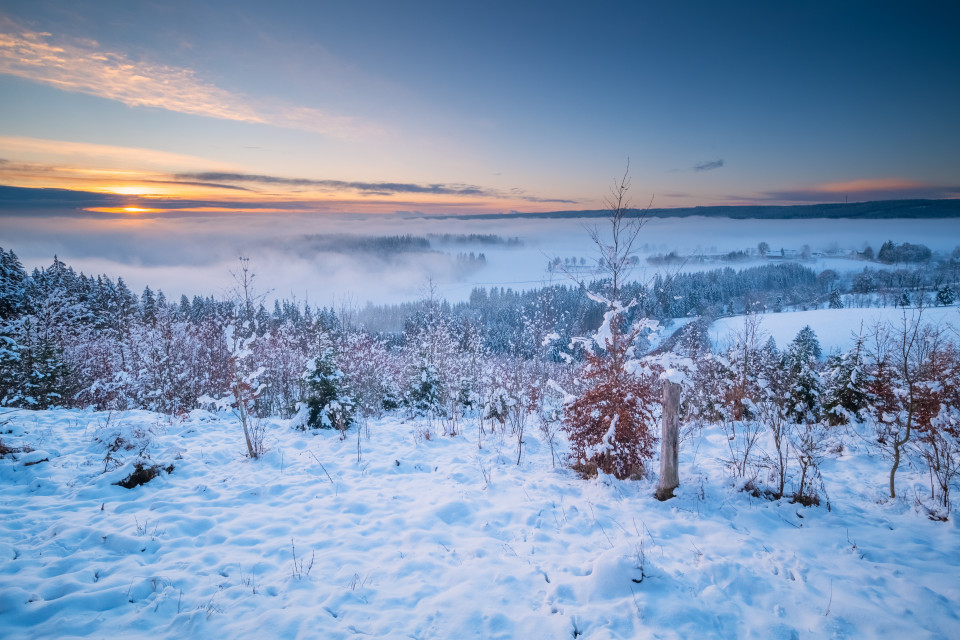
(669, 442)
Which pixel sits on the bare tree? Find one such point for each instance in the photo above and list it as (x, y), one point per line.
(241, 334)
(900, 383)
(617, 249)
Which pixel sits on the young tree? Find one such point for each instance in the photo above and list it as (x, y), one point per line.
(938, 423)
(802, 362)
(845, 395)
(610, 424)
(330, 404)
(13, 282)
(900, 384)
(836, 302)
(946, 296)
(240, 336)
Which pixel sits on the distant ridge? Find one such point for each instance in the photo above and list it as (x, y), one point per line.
(880, 209)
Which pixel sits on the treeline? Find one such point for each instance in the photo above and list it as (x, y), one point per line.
(488, 239)
(384, 247)
(503, 312)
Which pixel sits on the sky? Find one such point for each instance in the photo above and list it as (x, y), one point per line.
(446, 107)
(171, 116)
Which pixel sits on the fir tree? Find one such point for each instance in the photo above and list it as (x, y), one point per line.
(836, 302)
(329, 403)
(846, 395)
(13, 280)
(802, 364)
(945, 295)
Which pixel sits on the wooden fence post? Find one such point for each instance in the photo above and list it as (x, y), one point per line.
(669, 442)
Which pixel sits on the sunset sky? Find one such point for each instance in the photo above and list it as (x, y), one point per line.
(135, 108)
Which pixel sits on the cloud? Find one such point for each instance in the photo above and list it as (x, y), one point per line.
(548, 200)
(28, 202)
(859, 191)
(197, 183)
(17, 201)
(83, 66)
(102, 155)
(364, 188)
(13, 199)
(709, 165)
(372, 188)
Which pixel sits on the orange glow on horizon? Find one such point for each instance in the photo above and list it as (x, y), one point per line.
(874, 184)
(130, 210)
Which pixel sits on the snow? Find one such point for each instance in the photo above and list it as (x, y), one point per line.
(433, 538)
(836, 329)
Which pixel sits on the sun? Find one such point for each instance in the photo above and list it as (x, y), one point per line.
(130, 210)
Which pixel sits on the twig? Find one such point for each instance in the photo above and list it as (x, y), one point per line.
(602, 530)
(322, 467)
(829, 602)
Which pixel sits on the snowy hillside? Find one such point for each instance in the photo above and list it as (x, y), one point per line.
(836, 329)
(431, 537)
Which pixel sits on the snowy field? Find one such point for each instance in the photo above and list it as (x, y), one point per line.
(836, 329)
(435, 538)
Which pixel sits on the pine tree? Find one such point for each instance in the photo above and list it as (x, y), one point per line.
(945, 295)
(426, 396)
(329, 402)
(13, 280)
(846, 395)
(802, 364)
(836, 302)
(148, 306)
(11, 377)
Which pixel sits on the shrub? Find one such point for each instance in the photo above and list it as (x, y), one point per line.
(611, 425)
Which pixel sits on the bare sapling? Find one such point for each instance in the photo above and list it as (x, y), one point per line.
(901, 360)
(240, 337)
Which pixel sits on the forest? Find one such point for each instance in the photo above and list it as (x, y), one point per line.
(513, 360)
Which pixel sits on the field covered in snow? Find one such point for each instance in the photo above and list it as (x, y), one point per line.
(836, 329)
(433, 537)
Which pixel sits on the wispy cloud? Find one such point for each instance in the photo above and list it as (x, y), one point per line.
(709, 165)
(83, 66)
(877, 184)
(372, 188)
(365, 188)
(145, 201)
(64, 152)
(857, 191)
(201, 183)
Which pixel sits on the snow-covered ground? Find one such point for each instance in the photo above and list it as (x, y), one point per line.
(435, 538)
(835, 328)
